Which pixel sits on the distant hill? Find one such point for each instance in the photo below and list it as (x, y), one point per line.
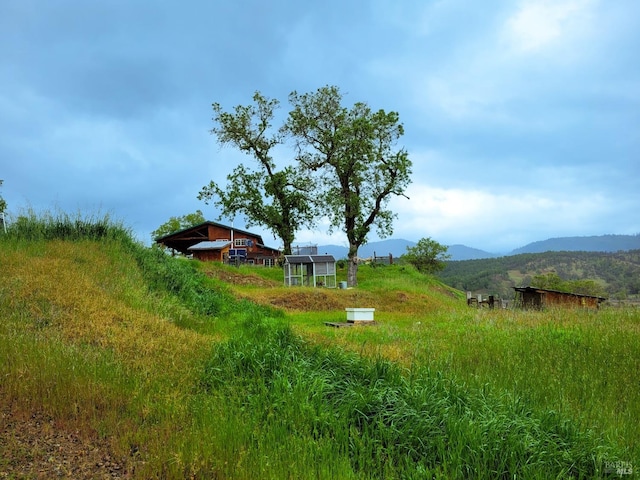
(462, 252)
(399, 247)
(458, 252)
(382, 248)
(617, 272)
(596, 243)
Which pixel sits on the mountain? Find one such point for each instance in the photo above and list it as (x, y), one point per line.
(596, 243)
(381, 249)
(336, 250)
(462, 252)
(399, 247)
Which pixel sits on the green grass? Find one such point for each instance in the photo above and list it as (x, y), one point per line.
(126, 343)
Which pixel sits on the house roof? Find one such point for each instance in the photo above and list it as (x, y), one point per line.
(217, 245)
(184, 239)
(306, 259)
(203, 224)
(544, 290)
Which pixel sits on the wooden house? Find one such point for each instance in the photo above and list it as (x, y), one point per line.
(532, 297)
(215, 242)
(310, 270)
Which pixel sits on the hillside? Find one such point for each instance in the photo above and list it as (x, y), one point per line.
(594, 243)
(398, 247)
(618, 273)
(119, 361)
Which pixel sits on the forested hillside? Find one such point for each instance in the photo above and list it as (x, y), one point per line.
(618, 273)
(594, 243)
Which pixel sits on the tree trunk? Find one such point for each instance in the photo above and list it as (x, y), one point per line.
(352, 266)
(287, 238)
(287, 248)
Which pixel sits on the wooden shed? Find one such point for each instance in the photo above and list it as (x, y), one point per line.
(310, 270)
(532, 297)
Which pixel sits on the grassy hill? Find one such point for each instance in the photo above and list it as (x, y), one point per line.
(119, 361)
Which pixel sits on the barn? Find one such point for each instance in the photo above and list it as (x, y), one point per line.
(215, 242)
(538, 298)
(310, 270)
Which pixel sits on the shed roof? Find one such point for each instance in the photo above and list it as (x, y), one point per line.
(306, 259)
(215, 245)
(543, 290)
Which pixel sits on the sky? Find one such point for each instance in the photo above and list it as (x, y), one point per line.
(522, 118)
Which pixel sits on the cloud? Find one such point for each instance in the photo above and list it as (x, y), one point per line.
(520, 117)
(494, 220)
(542, 24)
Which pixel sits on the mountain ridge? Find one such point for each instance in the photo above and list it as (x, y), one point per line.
(459, 252)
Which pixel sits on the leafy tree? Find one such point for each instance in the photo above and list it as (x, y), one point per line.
(549, 281)
(428, 256)
(552, 281)
(358, 169)
(175, 224)
(3, 207)
(3, 203)
(277, 199)
(585, 287)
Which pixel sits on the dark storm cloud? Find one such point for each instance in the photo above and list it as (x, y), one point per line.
(523, 109)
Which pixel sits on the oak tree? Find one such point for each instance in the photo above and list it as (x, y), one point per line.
(175, 224)
(428, 256)
(276, 198)
(352, 153)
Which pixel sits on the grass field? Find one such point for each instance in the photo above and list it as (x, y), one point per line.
(174, 369)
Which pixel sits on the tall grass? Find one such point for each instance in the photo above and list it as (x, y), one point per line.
(391, 423)
(31, 225)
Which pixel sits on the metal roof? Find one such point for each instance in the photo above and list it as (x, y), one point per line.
(543, 290)
(216, 245)
(203, 224)
(309, 258)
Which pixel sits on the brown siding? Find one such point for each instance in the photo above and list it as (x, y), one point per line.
(559, 299)
(540, 298)
(208, 255)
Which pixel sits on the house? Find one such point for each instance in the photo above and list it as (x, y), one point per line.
(310, 270)
(532, 297)
(215, 242)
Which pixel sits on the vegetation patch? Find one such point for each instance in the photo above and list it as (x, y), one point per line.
(169, 374)
(390, 422)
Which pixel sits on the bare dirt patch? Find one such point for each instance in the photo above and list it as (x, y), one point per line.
(306, 301)
(35, 447)
(243, 279)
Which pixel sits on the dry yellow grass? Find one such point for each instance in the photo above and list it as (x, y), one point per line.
(67, 290)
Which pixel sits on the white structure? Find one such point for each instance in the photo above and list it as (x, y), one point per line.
(310, 270)
(357, 315)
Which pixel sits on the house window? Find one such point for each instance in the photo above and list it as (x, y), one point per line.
(240, 242)
(269, 262)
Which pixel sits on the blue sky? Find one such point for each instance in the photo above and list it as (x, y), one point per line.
(522, 118)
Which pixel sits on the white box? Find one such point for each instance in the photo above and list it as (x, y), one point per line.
(360, 314)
